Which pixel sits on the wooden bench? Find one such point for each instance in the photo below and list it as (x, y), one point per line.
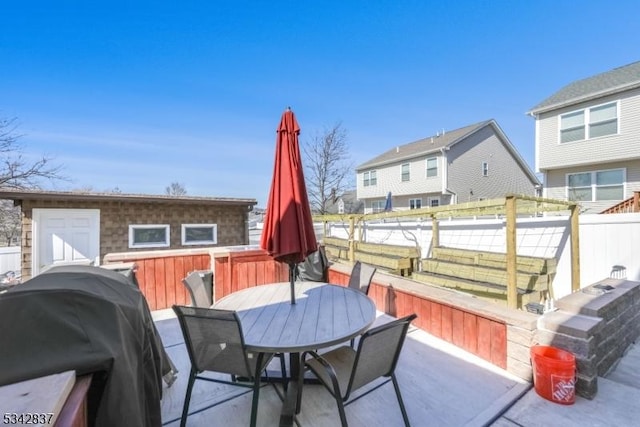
(402, 260)
(336, 247)
(484, 274)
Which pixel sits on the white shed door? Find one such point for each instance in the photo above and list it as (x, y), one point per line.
(63, 236)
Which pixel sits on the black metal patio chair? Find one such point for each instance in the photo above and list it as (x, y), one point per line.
(345, 370)
(215, 343)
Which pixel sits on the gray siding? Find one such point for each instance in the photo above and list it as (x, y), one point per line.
(556, 187)
(465, 169)
(624, 145)
(389, 178)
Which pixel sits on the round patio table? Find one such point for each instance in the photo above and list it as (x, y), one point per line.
(324, 315)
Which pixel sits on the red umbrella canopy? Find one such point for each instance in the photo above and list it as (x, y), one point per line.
(288, 234)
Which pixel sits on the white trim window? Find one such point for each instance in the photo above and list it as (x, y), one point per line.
(593, 122)
(199, 234)
(405, 173)
(369, 178)
(377, 205)
(596, 185)
(149, 235)
(415, 203)
(485, 168)
(432, 167)
(434, 202)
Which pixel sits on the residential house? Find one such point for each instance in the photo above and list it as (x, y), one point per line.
(472, 163)
(67, 227)
(346, 203)
(588, 139)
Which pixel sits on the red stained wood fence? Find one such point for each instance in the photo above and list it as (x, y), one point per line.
(236, 270)
(160, 280)
(482, 336)
(160, 276)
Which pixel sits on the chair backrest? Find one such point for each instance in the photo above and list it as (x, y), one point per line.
(378, 352)
(200, 297)
(361, 275)
(215, 341)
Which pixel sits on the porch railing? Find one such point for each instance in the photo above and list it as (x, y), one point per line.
(632, 204)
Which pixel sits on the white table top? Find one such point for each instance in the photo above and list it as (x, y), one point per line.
(324, 315)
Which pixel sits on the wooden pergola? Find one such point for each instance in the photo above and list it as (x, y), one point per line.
(511, 206)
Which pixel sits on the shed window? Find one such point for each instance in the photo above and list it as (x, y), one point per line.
(199, 234)
(148, 235)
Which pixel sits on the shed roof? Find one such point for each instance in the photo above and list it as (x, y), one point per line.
(27, 194)
(610, 82)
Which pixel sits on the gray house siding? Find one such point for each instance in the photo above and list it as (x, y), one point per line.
(460, 155)
(465, 169)
(625, 145)
(556, 183)
(389, 178)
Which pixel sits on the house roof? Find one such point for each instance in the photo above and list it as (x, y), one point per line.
(613, 81)
(428, 145)
(438, 142)
(25, 194)
(350, 200)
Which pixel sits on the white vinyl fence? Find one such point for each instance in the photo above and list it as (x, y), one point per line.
(9, 259)
(606, 241)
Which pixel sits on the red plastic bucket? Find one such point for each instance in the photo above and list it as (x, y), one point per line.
(554, 374)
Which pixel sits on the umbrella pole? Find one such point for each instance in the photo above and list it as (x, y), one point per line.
(292, 281)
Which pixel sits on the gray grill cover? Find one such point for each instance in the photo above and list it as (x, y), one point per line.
(86, 319)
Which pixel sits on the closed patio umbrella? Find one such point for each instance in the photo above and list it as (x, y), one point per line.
(288, 235)
(387, 203)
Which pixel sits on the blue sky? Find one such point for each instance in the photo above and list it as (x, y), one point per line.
(137, 95)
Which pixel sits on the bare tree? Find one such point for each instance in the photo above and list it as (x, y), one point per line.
(327, 166)
(10, 224)
(17, 173)
(176, 189)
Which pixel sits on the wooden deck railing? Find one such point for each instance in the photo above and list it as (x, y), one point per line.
(632, 204)
(160, 273)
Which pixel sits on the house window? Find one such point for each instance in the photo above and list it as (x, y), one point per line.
(596, 185)
(434, 202)
(377, 206)
(369, 178)
(405, 172)
(572, 127)
(341, 206)
(602, 120)
(199, 234)
(485, 169)
(432, 167)
(148, 235)
(415, 203)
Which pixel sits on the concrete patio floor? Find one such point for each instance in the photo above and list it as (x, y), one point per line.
(441, 384)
